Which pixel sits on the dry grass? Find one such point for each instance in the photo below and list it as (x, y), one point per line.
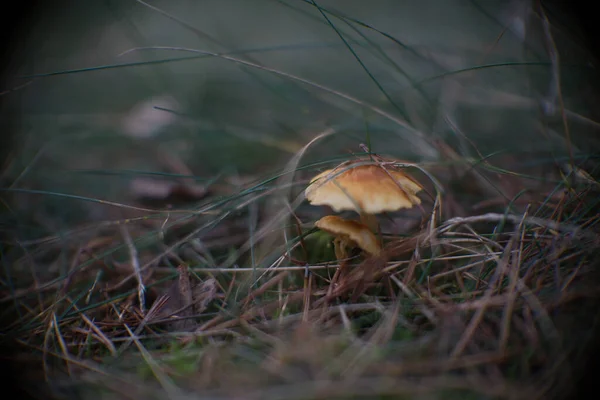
(456, 306)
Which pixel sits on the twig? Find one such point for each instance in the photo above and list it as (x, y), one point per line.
(107, 342)
(516, 219)
(512, 289)
(135, 263)
(61, 342)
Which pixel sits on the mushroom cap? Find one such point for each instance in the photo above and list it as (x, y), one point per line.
(357, 233)
(365, 188)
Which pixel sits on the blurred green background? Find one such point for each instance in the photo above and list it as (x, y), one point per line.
(106, 89)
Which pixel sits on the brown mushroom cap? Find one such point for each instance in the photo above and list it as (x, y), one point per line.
(358, 234)
(365, 188)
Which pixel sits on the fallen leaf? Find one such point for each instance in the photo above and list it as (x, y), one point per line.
(187, 297)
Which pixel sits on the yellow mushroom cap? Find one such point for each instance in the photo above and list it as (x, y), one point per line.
(357, 233)
(365, 188)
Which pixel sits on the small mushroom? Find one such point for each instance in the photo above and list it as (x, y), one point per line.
(349, 234)
(368, 189)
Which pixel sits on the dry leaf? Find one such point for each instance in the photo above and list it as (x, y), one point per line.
(151, 188)
(148, 189)
(188, 297)
(149, 117)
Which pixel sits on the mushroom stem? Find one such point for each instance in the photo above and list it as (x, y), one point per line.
(339, 247)
(369, 220)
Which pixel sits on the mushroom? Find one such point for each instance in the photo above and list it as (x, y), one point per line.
(349, 234)
(368, 189)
